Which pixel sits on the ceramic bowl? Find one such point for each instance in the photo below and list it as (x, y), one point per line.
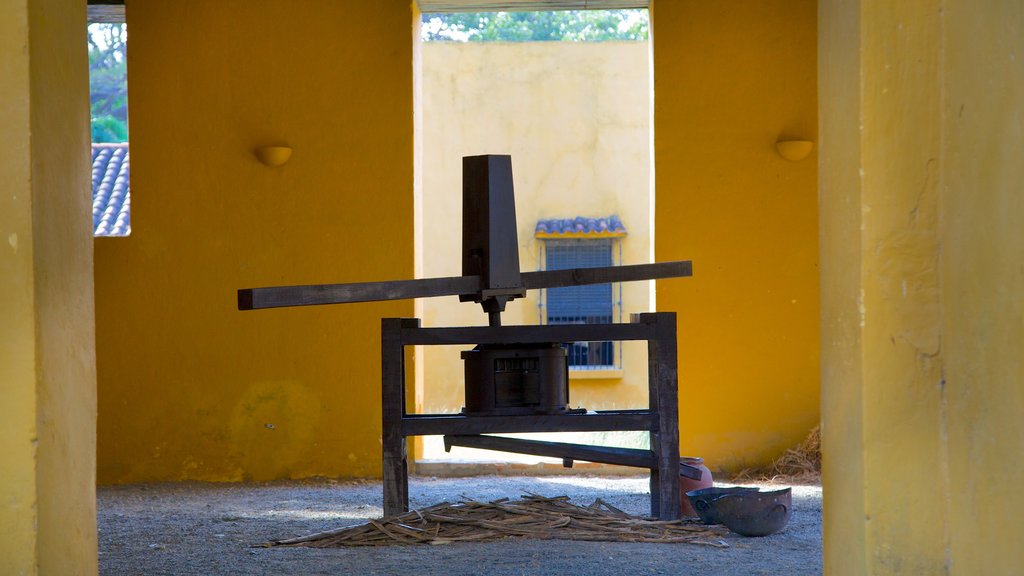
(755, 513)
(703, 500)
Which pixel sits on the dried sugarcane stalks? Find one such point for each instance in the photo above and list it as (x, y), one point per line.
(531, 517)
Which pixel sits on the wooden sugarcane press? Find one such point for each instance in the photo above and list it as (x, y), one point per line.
(517, 377)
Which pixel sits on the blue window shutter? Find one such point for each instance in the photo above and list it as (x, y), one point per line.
(589, 304)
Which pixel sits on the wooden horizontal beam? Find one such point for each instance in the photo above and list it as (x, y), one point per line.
(607, 274)
(634, 457)
(317, 294)
(442, 424)
(105, 12)
(431, 6)
(526, 334)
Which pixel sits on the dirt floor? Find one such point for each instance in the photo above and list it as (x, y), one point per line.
(211, 528)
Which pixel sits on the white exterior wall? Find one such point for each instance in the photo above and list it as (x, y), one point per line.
(576, 119)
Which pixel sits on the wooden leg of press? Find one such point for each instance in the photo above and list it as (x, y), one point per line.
(656, 478)
(664, 400)
(396, 466)
(396, 483)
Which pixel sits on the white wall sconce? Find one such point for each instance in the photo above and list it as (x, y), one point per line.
(794, 150)
(274, 155)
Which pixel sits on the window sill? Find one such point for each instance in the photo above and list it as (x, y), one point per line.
(609, 374)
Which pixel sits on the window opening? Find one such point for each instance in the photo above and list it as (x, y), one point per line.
(590, 304)
(528, 68)
(108, 107)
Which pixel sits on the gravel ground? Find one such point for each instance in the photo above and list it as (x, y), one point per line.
(210, 528)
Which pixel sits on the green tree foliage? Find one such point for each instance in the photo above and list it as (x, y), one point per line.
(563, 25)
(108, 82)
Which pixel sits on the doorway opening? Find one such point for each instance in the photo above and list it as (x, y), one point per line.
(568, 94)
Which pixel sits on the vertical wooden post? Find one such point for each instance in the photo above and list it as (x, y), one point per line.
(395, 457)
(663, 401)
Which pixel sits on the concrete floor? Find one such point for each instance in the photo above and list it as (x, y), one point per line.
(210, 529)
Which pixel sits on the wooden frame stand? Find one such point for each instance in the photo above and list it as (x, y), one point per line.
(661, 418)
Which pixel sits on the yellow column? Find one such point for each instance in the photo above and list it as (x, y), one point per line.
(47, 353)
(885, 468)
(983, 283)
(841, 405)
(17, 276)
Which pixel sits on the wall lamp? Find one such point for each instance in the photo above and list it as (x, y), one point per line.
(794, 150)
(274, 155)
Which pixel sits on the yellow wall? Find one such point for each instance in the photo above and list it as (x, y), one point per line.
(922, 320)
(730, 78)
(47, 352)
(190, 388)
(576, 119)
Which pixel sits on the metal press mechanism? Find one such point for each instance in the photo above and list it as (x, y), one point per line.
(517, 377)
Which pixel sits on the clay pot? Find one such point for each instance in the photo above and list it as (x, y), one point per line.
(687, 484)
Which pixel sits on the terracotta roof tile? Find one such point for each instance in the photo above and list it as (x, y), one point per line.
(580, 226)
(111, 198)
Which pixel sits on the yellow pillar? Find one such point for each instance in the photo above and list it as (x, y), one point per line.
(842, 415)
(922, 270)
(47, 353)
(884, 470)
(983, 283)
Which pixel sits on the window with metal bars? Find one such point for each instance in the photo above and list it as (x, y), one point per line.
(591, 304)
